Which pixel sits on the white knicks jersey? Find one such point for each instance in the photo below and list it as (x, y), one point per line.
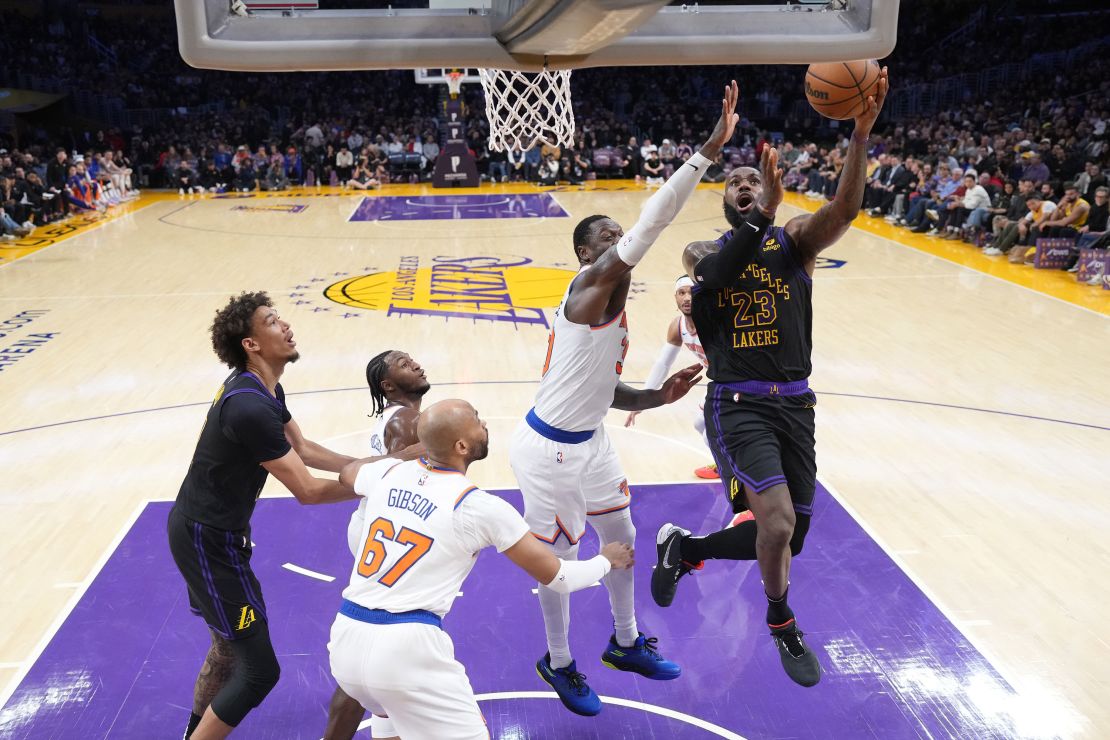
(423, 530)
(377, 437)
(584, 364)
(691, 341)
(377, 447)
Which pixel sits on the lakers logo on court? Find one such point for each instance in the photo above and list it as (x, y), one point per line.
(486, 288)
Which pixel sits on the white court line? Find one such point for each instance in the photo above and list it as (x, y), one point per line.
(70, 584)
(615, 701)
(358, 204)
(1002, 669)
(307, 572)
(63, 615)
(837, 278)
(121, 295)
(560, 204)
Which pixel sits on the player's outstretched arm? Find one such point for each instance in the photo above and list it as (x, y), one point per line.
(306, 488)
(812, 234)
(667, 355)
(661, 208)
(718, 269)
(312, 454)
(565, 576)
(349, 474)
(678, 385)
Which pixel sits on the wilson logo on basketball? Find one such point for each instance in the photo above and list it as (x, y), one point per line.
(476, 288)
(813, 92)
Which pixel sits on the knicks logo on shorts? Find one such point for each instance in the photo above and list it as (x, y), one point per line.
(624, 487)
(246, 618)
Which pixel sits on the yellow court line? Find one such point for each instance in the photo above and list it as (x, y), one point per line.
(51, 234)
(1056, 283)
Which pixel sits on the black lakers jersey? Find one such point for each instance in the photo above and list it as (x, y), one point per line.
(245, 427)
(761, 326)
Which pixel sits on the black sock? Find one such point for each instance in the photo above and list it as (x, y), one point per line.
(734, 543)
(779, 613)
(194, 720)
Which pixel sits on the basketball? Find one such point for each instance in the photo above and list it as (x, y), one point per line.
(839, 89)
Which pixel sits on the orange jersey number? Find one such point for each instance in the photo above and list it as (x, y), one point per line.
(373, 552)
(550, 346)
(624, 343)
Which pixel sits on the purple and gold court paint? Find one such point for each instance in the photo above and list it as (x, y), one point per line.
(123, 664)
(439, 207)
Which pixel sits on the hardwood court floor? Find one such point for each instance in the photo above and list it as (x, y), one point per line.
(962, 416)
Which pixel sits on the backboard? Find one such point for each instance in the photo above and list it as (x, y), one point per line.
(530, 35)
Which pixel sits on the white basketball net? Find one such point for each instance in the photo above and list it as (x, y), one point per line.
(528, 108)
(454, 83)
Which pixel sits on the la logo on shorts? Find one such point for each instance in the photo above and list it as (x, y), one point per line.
(246, 618)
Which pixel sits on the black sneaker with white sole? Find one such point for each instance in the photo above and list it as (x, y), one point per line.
(669, 566)
(798, 660)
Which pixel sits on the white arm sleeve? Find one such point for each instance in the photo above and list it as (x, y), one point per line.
(662, 366)
(574, 575)
(661, 208)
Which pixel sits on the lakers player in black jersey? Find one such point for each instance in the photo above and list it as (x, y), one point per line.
(753, 311)
(248, 434)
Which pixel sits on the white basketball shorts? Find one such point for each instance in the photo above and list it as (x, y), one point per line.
(409, 672)
(562, 483)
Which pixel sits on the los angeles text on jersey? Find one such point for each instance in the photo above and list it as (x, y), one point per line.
(399, 498)
(756, 307)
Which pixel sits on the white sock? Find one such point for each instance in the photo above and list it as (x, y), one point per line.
(617, 527)
(699, 424)
(556, 613)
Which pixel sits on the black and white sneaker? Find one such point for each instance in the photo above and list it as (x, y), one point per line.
(670, 566)
(797, 659)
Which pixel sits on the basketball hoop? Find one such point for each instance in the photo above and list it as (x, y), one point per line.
(454, 83)
(527, 108)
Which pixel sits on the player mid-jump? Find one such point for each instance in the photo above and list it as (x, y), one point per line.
(562, 458)
(754, 312)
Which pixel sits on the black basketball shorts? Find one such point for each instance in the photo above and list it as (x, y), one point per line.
(216, 565)
(760, 440)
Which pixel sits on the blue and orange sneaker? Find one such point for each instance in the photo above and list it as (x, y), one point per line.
(570, 685)
(641, 658)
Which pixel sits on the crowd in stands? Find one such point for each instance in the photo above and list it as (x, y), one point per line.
(999, 171)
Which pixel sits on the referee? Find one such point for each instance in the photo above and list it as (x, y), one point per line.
(248, 434)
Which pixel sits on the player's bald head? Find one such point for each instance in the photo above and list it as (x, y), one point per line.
(451, 429)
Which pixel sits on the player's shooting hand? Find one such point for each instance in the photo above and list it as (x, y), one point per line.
(771, 194)
(620, 554)
(679, 384)
(866, 119)
(726, 124)
(631, 420)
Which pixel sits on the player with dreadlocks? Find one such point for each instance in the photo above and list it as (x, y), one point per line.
(397, 387)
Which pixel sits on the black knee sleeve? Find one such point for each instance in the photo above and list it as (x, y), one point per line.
(801, 528)
(256, 673)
